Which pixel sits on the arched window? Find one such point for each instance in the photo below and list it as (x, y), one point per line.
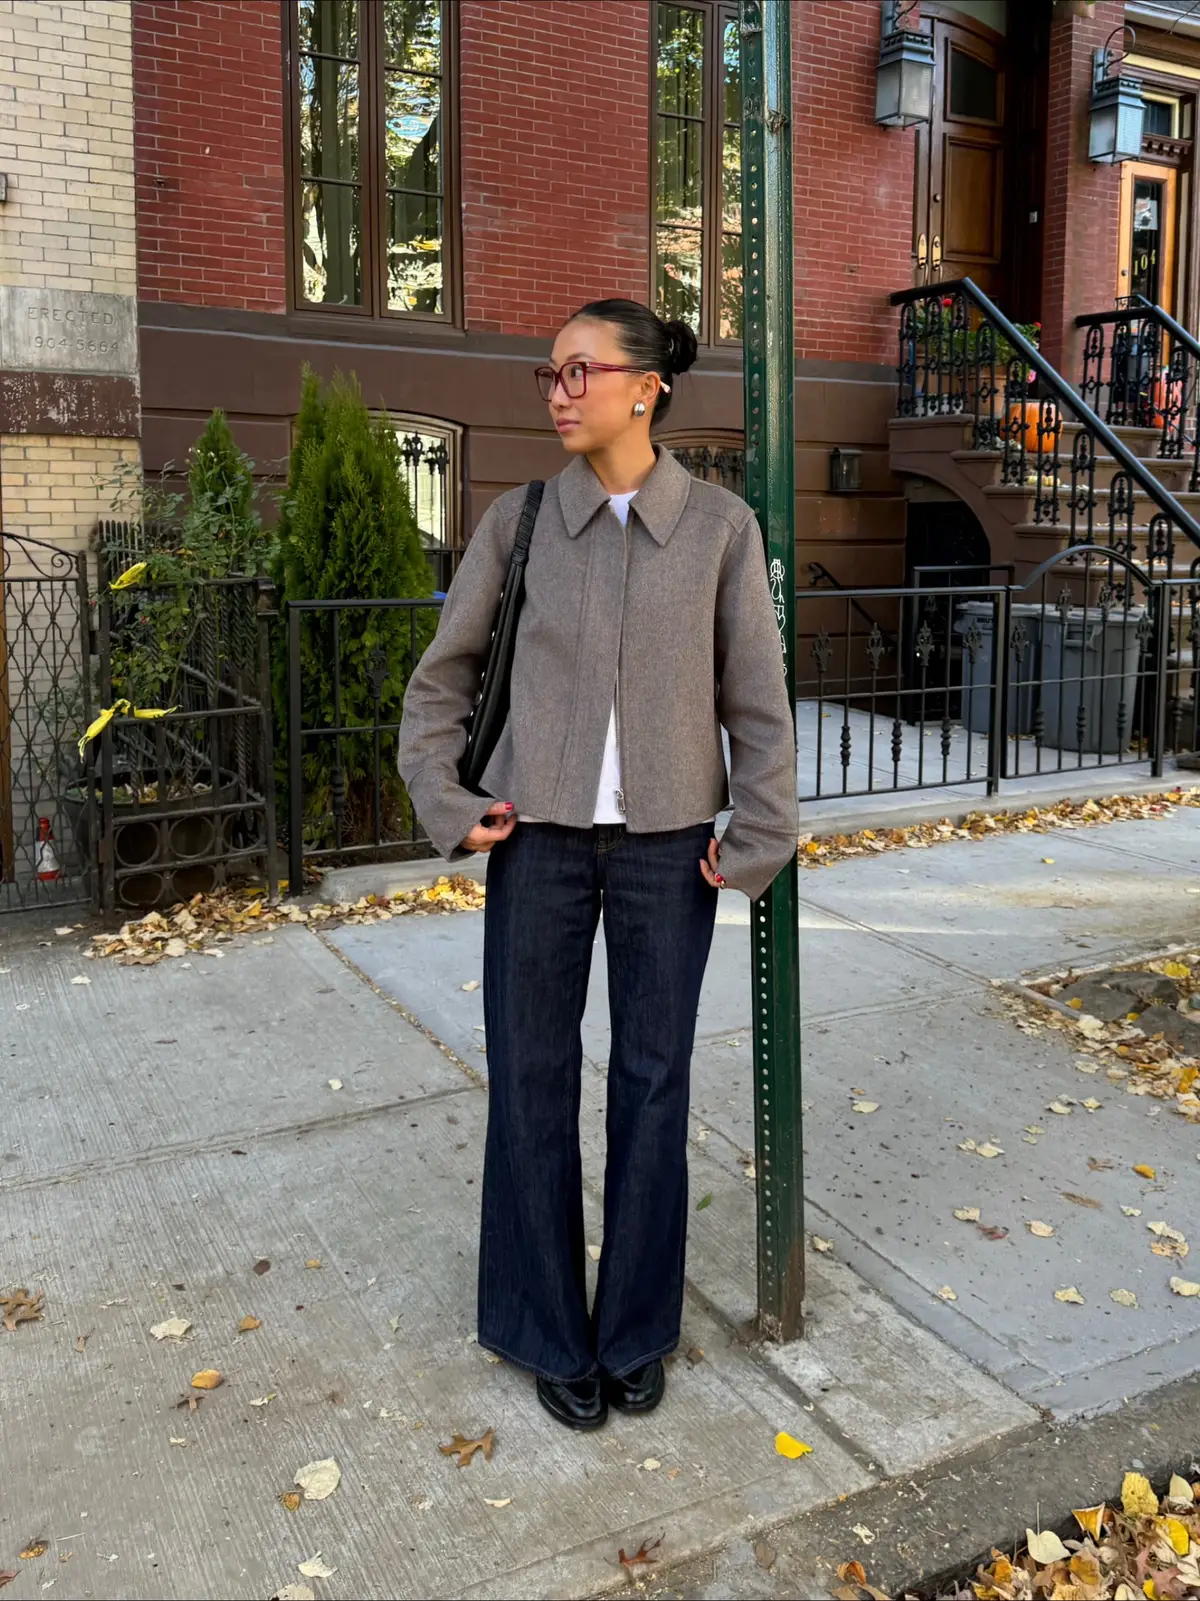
(431, 452)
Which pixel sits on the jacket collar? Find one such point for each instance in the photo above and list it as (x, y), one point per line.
(659, 502)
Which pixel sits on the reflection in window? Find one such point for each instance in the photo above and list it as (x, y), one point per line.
(697, 267)
(330, 191)
(372, 159)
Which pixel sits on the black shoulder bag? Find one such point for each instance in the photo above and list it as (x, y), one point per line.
(495, 688)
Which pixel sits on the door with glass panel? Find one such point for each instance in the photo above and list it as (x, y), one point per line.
(1146, 263)
(696, 154)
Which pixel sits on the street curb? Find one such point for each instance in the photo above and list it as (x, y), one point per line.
(1089, 787)
(384, 879)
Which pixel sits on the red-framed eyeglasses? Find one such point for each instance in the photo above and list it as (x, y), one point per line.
(573, 376)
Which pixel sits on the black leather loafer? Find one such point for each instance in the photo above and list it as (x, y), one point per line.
(639, 1391)
(580, 1405)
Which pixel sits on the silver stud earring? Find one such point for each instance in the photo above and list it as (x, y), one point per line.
(640, 409)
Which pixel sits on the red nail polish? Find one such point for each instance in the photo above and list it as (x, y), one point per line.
(508, 806)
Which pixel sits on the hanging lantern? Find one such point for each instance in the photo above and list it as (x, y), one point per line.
(1118, 111)
(904, 74)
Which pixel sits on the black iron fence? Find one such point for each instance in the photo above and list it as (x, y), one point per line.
(45, 700)
(1062, 470)
(1090, 663)
(348, 663)
(1141, 369)
(180, 799)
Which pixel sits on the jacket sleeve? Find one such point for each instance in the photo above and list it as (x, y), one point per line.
(756, 712)
(443, 686)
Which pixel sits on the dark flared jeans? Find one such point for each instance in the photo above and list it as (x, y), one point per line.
(546, 891)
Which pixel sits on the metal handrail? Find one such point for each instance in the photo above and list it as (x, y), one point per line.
(1164, 319)
(820, 573)
(1061, 390)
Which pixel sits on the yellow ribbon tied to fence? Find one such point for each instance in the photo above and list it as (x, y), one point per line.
(131, 575)
(119, 708)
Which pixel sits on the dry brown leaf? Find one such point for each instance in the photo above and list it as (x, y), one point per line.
(206, 1379)
(967, 1214)
(642, 1556)
(249, 1324)
(290, 1500)
(262, 1266)
(463, 1450)
(192, 1402)
(822, 1245)
(35, 1548)
(18, 1306)
(81, 1341)
(1081, 1200)
(174, 1328)
(853, 1571)
(1042, 1230)
(6, 1578)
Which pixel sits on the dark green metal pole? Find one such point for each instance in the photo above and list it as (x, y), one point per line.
(770, 490)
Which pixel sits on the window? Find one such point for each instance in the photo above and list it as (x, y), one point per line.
(698, 168)
(369, 151)
(431, 456)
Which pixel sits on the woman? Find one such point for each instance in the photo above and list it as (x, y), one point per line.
(647, 626)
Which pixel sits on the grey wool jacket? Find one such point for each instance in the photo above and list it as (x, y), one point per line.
(675, 613)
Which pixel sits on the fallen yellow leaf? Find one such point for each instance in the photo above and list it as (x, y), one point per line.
(1090, 1519)
(1179, 1490)
(1042, 1230)
(1178, 1536)
(1184, 1286)
(290, 1499)
(248, 1324)
(1123, 1297)
(1137, 1496)
(1176, 970)
(791, 1448)
(947, 1294)
(1145, 1172)
(206, 1379)
(313, 1261)
(1071, 1295)
(967, 1214)
(1046, 1546)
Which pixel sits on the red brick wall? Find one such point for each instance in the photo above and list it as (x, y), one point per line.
(555, 121)
(208, 152)
(1082, 198)
(853, 187)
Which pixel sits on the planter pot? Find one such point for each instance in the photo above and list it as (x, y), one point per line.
(159, 847)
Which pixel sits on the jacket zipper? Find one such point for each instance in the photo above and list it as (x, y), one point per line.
(617, 685)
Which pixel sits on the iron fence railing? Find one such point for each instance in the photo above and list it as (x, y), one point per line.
(1141, 369)
(348, 662)
(1097, 668)
(45, 702)
(960, 356)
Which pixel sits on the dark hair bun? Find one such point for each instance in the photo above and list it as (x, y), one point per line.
(682, 341)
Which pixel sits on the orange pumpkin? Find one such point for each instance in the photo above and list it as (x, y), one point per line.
(1166, 391)
(1024, 419)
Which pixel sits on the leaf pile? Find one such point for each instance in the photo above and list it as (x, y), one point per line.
(828, 849)
(1144, 1063)
(208, 922)
(1141, 1546)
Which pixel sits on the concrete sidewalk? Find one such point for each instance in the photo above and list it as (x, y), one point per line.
(168, 1127)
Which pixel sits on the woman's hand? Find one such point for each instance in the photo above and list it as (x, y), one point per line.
(708, 867)
(485, 835)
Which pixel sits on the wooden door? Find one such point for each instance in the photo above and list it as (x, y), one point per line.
(1149, 219)
(959, 201)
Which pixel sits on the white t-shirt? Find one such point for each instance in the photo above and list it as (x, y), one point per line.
(608, 810)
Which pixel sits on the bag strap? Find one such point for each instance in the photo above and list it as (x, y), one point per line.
(529, 511)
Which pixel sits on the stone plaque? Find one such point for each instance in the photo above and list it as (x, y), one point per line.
(58, 330)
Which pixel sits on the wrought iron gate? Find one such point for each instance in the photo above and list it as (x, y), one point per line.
(44, 705)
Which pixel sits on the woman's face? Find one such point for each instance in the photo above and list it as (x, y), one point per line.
(598, 418)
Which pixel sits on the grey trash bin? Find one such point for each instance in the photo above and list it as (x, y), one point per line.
(1091, 665)
(1023, 666)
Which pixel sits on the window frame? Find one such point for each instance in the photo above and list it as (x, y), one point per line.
(717, 14)
(372, 157)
